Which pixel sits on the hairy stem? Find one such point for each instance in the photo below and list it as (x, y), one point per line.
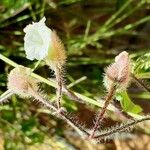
(121, 128)
(59, 80)
(61, 113)
(100, 117)
(74, 124)
(41, 100)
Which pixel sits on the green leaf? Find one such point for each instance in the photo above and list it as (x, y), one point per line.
(127, 104)
(28, 125)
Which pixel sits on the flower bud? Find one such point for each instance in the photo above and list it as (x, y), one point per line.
(119, 71)
(56, 54)
(20, 82)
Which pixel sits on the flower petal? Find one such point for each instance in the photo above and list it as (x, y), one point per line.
(37, 40)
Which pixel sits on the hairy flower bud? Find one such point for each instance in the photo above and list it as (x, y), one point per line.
(56, 54)
(20, 82)
(119, 71)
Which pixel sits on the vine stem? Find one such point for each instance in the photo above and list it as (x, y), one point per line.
(121, 127)
(100, 117)
(59, 111)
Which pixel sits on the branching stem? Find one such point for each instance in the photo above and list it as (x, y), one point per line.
(60, 113)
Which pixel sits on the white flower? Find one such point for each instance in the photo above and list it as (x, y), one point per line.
(37, 40)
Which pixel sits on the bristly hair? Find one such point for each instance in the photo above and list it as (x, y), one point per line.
(80, 126)
(120, 128)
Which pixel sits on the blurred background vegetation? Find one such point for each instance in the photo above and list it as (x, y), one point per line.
(94, 32)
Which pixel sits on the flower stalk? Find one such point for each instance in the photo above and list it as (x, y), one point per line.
(59, 82)
(60, 112)
(117, 77)
(100, 117)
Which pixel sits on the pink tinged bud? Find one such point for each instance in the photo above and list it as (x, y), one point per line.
(119, 71)
(20, 82)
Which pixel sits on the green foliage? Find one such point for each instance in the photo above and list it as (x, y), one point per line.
(142, 64)
(127, 104)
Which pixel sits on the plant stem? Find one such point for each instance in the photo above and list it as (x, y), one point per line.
(121, 128)
(74, 124)
(100, 117)
(60, 112)
(53, 84)
(72, 95)
(6, 93)
(59, 80)
(73, 83)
